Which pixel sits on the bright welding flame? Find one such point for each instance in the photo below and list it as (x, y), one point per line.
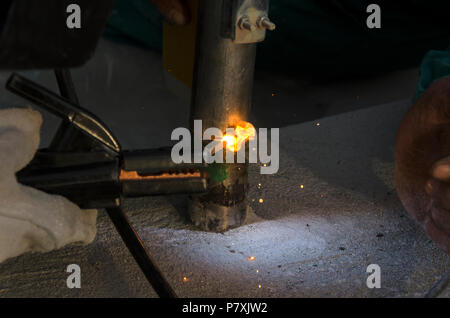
(243, 132)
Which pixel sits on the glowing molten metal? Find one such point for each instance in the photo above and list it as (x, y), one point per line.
(243, 132)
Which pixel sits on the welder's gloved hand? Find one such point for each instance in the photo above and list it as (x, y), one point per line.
(175, 11)
(422, 172)
(31, 220)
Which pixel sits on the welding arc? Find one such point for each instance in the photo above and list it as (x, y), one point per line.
(140, 253)
(439, 287)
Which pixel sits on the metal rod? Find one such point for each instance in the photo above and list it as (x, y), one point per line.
(140, 253)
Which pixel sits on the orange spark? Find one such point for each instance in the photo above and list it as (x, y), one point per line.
(251, 258)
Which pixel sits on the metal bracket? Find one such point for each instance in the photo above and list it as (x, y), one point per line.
(246, 21)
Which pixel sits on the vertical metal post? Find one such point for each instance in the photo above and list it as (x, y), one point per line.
(222, 91)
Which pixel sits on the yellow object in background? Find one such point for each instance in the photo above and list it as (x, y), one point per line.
(179, 47)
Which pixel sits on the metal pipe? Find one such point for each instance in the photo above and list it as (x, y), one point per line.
(222, 91)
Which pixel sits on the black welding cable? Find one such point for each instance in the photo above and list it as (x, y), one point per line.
(67, 137)
(140, 253)
(439, 287)
(66, 85)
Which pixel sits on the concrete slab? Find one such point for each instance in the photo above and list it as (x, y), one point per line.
(315, 241)
(306, 242)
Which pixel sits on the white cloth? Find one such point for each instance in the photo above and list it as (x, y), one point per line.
(31, 220)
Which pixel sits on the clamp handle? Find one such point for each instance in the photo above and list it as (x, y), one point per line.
(81, 118)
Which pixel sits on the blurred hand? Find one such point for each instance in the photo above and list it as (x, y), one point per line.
(422, 162)
(175, 11)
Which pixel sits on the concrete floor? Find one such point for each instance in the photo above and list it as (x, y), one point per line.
(315, 241)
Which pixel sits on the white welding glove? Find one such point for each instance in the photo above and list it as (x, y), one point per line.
(31, 220)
